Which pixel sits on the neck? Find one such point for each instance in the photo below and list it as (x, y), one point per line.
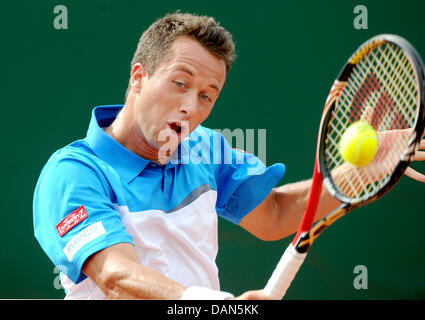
(125, 131)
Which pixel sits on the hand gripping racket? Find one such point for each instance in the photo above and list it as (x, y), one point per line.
(382, 83)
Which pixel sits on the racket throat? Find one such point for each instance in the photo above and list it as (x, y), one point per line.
(312, 204)
(306, 239)
(303, 243)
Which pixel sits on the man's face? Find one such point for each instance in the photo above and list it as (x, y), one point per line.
(180, 94)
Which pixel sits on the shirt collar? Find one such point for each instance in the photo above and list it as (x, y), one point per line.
(128, 164)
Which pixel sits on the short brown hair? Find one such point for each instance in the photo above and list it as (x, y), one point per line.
(155, 43)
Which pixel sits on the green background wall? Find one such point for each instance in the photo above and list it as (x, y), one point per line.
(50, 80)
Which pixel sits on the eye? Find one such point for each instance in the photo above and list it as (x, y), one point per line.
(179, 84)
(205, 97)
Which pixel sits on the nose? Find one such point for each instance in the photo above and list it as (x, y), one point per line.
(189, 105)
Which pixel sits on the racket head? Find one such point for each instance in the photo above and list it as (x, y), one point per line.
(412, 122)
(384, 80)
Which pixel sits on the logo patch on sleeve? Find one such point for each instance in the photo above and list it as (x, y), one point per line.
(86, 235)
(71, 220)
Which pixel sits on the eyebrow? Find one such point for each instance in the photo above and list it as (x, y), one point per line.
(191, 73)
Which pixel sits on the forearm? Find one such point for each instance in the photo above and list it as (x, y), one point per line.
(139, 282)
(117, 272)
(290, 204)
(291, 199)
(280, 214)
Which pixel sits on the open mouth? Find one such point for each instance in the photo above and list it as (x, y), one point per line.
(176, 127)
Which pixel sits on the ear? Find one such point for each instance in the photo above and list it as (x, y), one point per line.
(138, 73)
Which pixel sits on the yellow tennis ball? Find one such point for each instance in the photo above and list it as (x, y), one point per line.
(359, 144)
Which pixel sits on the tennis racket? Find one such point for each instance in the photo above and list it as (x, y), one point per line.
(382, 83)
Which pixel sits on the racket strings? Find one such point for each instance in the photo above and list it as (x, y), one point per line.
(382, 91)
(386, 163)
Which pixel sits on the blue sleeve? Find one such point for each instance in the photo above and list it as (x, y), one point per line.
(243, 182)
(65, 186)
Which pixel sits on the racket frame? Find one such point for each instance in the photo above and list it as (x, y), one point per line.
(296, 252)
(306, 234)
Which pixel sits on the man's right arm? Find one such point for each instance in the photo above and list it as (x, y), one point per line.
(116, 270)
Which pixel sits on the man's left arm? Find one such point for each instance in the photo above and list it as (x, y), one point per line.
(280, 214)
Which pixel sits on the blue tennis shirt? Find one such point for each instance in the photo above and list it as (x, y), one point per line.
(94, 193)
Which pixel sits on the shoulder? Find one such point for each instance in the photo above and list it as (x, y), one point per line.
(74, 164)
(77, 155)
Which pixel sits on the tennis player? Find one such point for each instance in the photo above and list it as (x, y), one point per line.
(131, 210)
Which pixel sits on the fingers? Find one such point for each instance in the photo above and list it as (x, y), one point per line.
(422, 144)
(412, 173)
(254, 295)
(367, 114)
(419, 156)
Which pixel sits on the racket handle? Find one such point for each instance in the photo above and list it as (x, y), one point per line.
(284, 272)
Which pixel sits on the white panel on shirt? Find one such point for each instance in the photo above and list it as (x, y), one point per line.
(181, 245)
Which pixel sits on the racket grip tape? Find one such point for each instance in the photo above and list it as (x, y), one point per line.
(285, 272)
